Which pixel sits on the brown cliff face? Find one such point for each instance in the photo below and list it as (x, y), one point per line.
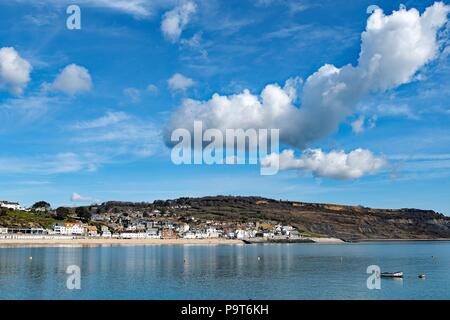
(345, 222)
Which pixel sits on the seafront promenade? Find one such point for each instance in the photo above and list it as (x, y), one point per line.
(52, 240)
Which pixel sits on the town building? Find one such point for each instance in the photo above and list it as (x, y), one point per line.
(153, 233)
(105, 232)
(69, 228)
(168, 234)
(92, 231)
(10, 205)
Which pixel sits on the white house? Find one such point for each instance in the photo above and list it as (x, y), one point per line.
(183, 228)
(231, 235)
(10, 205)
(153, 233)
(69, 228)
(131, 235)
(3, 230)
(243, 234)
(75, 228)
(105, 232)
(212, 233)
(59, 228)
(268, 234)
(189, 235)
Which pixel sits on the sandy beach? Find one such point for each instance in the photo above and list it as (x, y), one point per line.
(135, 242)
(115, 242)
(327, 240)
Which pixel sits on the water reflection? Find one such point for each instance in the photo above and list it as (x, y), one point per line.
(294, 271)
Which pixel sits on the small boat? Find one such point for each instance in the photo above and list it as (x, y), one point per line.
(421, 276)
(398, 274)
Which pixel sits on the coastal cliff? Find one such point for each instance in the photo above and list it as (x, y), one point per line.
(350, 223)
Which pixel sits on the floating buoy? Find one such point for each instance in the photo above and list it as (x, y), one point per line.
(259, 258)
(31, 258)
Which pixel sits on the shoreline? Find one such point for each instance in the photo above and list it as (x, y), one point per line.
(398, 240)
(144, 242)
(115, 242)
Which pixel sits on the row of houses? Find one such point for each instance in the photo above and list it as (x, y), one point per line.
(11, 205)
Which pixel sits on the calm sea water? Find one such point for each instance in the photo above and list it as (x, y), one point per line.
(275, 271)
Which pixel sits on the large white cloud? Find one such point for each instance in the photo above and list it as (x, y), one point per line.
(175, 20)
(335, 164)
(393, 49)
(72, 80)
(14, 71)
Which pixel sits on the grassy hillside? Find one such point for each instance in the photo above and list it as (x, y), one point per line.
(21, 219)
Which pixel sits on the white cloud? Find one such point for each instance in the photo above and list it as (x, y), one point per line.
(109, 119)
(137, 8)
(14, 71)
(72, 80)
(178, 82)
(394, 47)
(358, 124)
(175, 20)
(52, 164)
(153, 89)
(78, 198)
(27, 110)
(133, 94)
(335, 164)
(118, 134)
(395, 110)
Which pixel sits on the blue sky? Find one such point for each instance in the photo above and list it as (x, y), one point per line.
(90, 118)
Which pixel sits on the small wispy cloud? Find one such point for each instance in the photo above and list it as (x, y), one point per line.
(75, 197)
(60, 163)
(175, 21)
(133, 94)
(110, 118)
(179, 82)
(118, 133)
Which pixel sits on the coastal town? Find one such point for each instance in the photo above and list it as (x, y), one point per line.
(159, 220)
(221, 218)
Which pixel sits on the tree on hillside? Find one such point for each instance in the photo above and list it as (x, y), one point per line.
(83, 213)
(62, 213)
(41, 205)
